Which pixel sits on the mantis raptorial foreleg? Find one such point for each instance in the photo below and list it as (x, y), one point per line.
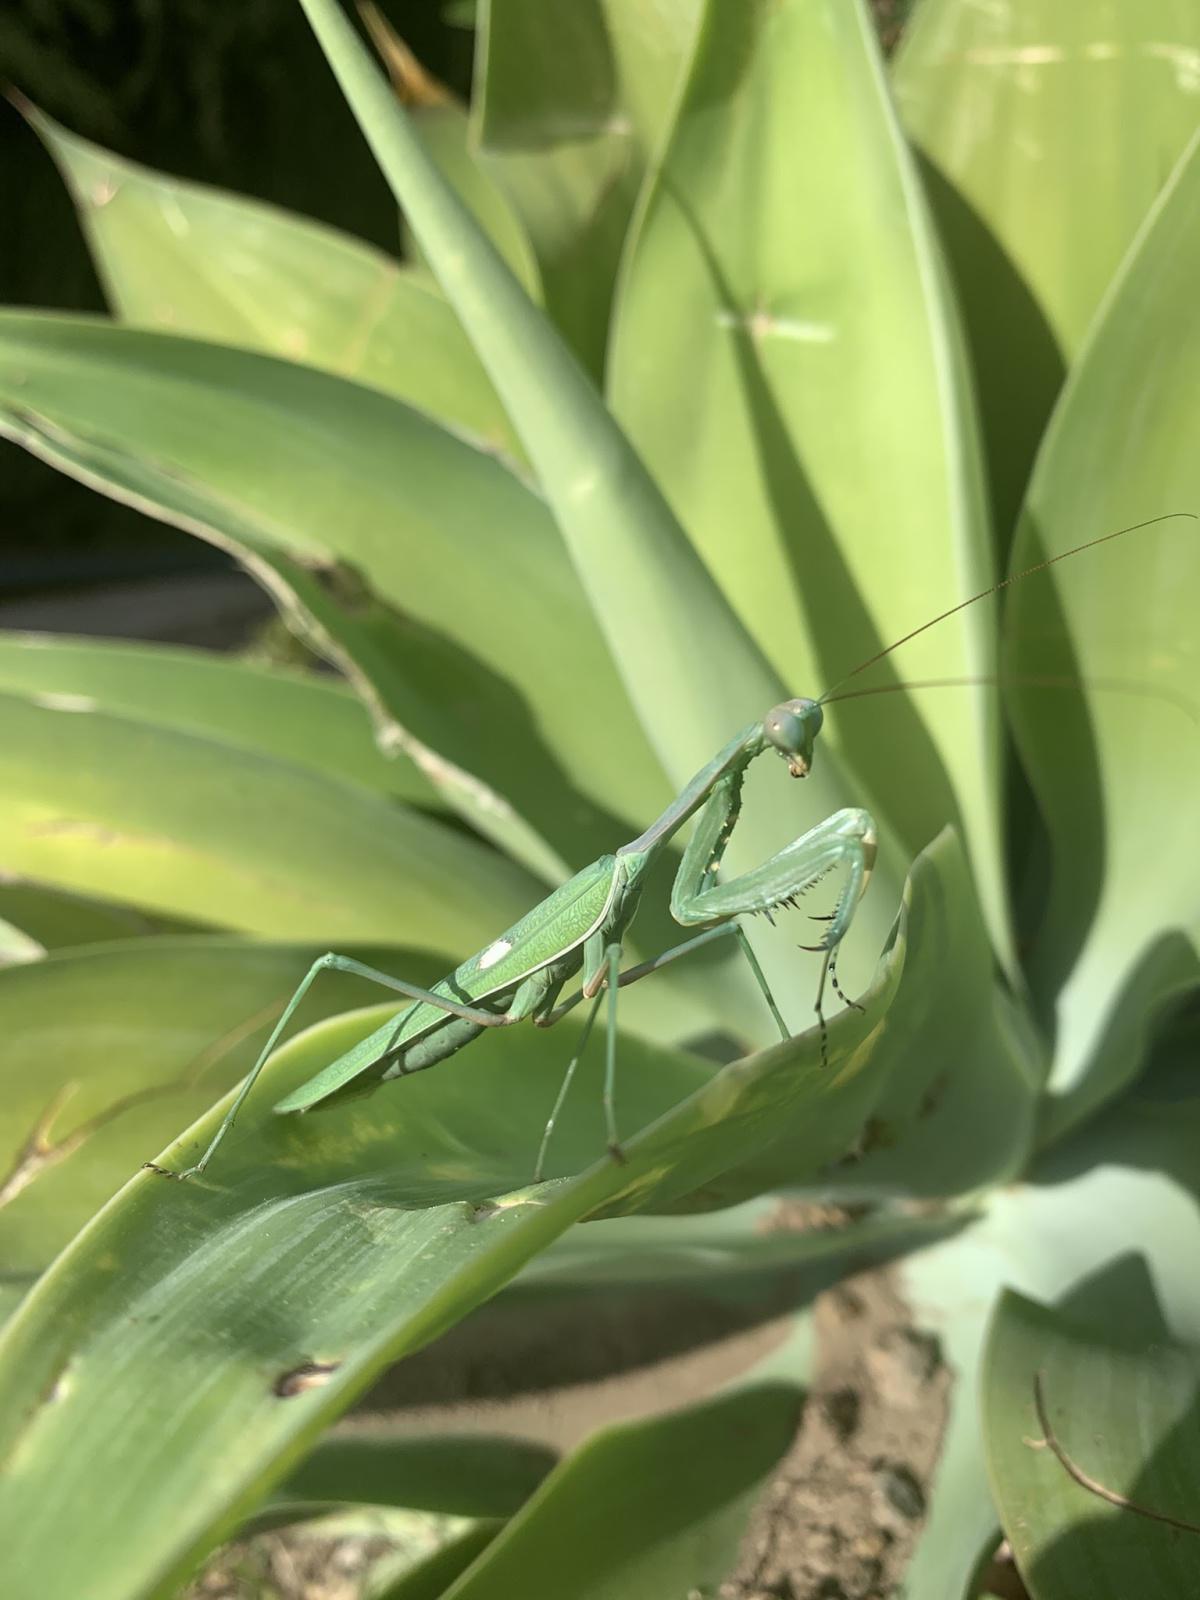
(845, 840)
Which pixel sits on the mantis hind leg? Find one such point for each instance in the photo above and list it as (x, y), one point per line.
(331, 962)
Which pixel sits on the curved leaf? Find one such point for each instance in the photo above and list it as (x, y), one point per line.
(248, 1309)
(100, 805)
(948, 1101)
(444, 128)
(1113, 762)
(624, 540)
(185, 258)
(58, 920)
(800, 310)
(299, 717)
(1015, 107)
(957, 1111)
(1124, 1187)
(464, 1475)
(327, 484)
(645, 1509)
(552, 128)
(1123, 1413)
(430, 1578)
(716, 1245)
(110, 1050)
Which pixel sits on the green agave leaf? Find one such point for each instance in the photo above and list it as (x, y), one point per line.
(801, 310)
(1122, 1189)
(644, 1509)
(445, 133)
(189, 259)
(298, 717)
(691, 671)
(1114, 761)
(468, 1475)
(444, 128)
(99, 805)
(1048, 127)
(552, 127)
(623, 538)
(57, 920)
(430, 1578)
(325, 484)
(247, 1310)
(715, 1245)
(612, 67)
(1125, 1415)
(957, 1110)
(110, 1050)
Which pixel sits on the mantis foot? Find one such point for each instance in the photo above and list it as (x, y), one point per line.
(165, 1172)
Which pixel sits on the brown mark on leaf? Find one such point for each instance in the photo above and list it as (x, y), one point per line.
(934, 1095)
(300, 1379)
(342, 582)
(875, 1134)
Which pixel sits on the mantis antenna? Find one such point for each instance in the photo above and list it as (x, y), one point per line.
(1015, 577)
(1032, 680)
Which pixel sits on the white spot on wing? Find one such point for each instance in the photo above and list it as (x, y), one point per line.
(493, 953)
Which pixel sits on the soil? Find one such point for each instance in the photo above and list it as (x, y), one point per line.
(841, 1516)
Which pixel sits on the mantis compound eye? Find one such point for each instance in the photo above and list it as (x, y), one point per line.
(791, 727)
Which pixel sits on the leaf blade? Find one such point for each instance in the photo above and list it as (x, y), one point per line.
(760, 285)
(645, 1508)
(185, 258)
(1121, 930)
(1124, 1416)
(375, 1253)
(1010, 107)
(319, 485)
(99, 805)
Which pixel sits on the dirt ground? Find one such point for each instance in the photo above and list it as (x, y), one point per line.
(841, 1515)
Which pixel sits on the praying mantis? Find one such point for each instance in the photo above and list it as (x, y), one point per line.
(580, 928)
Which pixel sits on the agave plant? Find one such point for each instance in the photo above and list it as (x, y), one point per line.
(707, 376)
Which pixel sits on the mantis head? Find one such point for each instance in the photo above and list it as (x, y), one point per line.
(791, 728)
